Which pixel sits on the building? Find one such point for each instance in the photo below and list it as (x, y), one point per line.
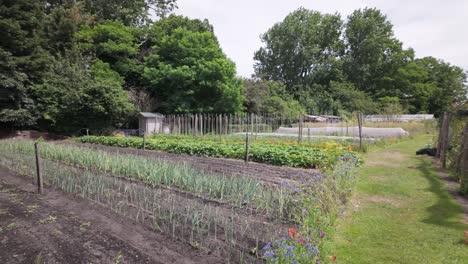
(150, 123)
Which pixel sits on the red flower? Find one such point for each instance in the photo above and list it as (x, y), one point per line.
(292, 232)
(466, 234)
(333, 258)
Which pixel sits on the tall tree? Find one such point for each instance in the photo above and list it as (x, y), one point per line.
(303, 49)
(23, 59)
(188, 71)
(373, 53)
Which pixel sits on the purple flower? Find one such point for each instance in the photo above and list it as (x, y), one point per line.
(269, 254)
(267, 246)
(294, 262)
(322, 234)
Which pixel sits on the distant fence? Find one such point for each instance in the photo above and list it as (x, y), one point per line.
(400, 118)
(223, 124)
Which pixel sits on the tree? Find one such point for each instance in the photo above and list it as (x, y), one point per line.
(116, 44)
(188, 72)
(23, 58)
(303, 49)
(373, 54)
(353, 100)
(269, 97)
(72, 97)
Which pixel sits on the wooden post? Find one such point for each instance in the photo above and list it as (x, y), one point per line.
(144, 141)
(38, 169)
(360, 130)
(247, 145)
(462, 166)
(87, 132)
(445, 140)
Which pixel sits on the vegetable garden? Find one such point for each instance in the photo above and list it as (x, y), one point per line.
(238, 217)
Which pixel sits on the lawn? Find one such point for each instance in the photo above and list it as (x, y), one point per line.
(401, 212)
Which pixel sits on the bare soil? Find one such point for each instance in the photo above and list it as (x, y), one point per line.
(231, 167)
(59, 228)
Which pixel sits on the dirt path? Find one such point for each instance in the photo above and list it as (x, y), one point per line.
(59, 228)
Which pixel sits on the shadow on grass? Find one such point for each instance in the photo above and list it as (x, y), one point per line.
(446, 211)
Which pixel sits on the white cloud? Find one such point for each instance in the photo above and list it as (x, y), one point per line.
(431, 27)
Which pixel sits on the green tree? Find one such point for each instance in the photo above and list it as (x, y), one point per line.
(72, 97)
(188, 72)
(353, 100)
(303, 49)
(373, 54)
(23, 59)
(269, 97)
(116, 44)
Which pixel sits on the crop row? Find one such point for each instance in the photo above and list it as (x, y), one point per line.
(282, 155)
(236, 190)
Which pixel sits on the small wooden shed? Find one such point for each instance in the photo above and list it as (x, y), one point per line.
(150, 123)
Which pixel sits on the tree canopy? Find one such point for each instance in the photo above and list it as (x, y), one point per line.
(331, 65)
(70, 64)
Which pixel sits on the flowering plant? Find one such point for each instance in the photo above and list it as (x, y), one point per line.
(297, 248)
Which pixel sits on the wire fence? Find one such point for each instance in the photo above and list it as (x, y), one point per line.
(452, 145)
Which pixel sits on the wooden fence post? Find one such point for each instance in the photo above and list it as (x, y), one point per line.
(247, 146)
(445, 140)
(360, 117)
(462, 166)
(38, 168)
(441, 135)
(144, 141)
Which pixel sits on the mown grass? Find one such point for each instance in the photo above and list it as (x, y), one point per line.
(401, 212)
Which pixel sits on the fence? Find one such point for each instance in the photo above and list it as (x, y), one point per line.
(295, 125)
(452, 145)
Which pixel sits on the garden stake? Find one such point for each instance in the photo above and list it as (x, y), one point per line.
(38, 168)
(247, 146)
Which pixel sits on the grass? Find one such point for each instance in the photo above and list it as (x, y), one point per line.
(401, 212)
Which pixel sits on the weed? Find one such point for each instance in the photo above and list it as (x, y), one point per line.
(118, 258)
(48, 220)
(11, 226)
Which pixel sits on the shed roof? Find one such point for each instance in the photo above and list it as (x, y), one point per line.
(331, 116)
(150, 115)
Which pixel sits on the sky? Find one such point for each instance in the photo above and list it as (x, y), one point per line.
(437, 28)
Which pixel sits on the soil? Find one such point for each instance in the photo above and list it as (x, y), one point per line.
(59, 228)
(231, 167)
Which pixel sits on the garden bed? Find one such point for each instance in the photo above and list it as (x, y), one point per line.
(275, 154)
(235, 218)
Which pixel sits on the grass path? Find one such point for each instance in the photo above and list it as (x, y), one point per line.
(401, 212)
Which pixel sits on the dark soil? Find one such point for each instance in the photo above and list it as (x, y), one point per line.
(59, 228)
(231, 167)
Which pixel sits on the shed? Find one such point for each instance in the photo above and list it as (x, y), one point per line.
(150, 123)
(332, 118)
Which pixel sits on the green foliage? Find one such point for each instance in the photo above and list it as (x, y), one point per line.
(269, 97)
(351, 99)
(301, 50)
(283, 155)
(188, 71)
(238, 190)
(71, 98)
